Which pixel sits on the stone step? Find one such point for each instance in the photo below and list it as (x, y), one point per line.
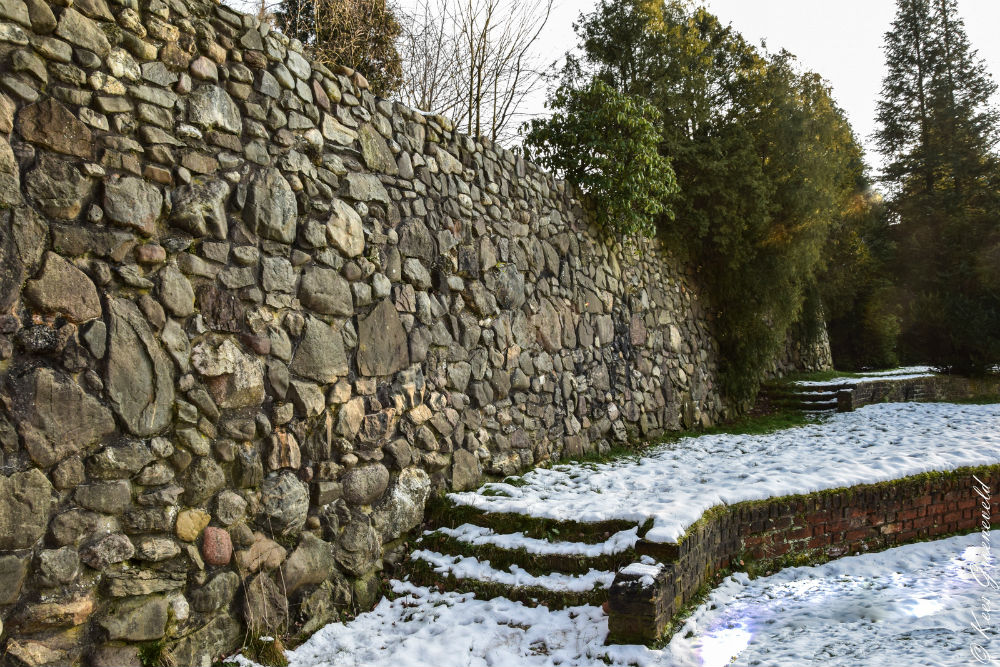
(534, 555)
(811, 394)
(452, 515)
(825, 405)
(467, 574)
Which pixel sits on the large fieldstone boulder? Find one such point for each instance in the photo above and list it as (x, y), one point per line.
(365, 484)
(375, 151)
(265, 607)
(234, 378)
(26, 505)
(77, 29)
(402, 509)
(326, 292)
(359, 546)
(65, 290)
(465, 470)
(50, 124)
(344, 229)
(13, 571)
(202, 479)
(10, 176)
(56, 417)
(221, 635)
(311, 563)
(137, 619)
(320, 355)
(200, 209)
(284, 504)
(271, 211)
(15, 10)
(11, 263)
(139, 376)
(57, 187)
(509, 288)
(175, 292)
(382, 342)
(364, 187)
(107, 550)
(415, 240)
(211, 107)
(133, 202)
(218, 592)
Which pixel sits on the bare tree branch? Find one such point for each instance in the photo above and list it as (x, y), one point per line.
(474, 60)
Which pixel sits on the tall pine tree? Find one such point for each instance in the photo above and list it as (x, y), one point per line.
(938, 134)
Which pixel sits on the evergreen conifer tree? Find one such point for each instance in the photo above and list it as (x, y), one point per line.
(938, 134)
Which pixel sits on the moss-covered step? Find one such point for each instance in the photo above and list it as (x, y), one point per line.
(442, 511)
(468, 574)
(536, 556)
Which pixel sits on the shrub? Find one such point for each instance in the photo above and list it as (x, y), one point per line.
(606, 144)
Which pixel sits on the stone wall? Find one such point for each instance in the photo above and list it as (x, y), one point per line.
(763, 536)
(807, 348)
(935, 388)
(251, 316)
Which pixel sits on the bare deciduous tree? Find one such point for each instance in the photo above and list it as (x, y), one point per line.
(429, 49)
(474, 60)
(262, 9)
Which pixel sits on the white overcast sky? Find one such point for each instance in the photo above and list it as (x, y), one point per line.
(839, 39)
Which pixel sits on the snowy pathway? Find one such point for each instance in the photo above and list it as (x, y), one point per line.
(675, 483)
(912, 605)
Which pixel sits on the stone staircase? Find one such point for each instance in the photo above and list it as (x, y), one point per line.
(557, 564)
(812, 399)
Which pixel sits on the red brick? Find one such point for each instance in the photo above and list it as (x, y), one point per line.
(855, 535)
(819, 541)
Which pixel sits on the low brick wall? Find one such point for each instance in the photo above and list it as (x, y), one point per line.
(935, 388)
(765, 535)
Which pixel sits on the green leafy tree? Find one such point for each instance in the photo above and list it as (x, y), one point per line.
(857, 286)
(764, 157)
(605, 143)
(360, 34)
(938, 133)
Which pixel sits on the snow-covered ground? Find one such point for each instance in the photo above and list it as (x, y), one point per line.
(675, 483)
(913, 605)
(904, 373)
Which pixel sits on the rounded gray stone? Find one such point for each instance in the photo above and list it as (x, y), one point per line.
(364, 485)
(284, 504)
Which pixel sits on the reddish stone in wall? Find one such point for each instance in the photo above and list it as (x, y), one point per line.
(216, 547)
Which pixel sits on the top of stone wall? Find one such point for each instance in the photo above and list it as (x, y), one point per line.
(140, 49)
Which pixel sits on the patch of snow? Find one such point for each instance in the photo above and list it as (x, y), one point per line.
(647, 572)
(836, 382)
(675, 483)
(905, 370)
(468, 567)
(478, 535)
(912, 605)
